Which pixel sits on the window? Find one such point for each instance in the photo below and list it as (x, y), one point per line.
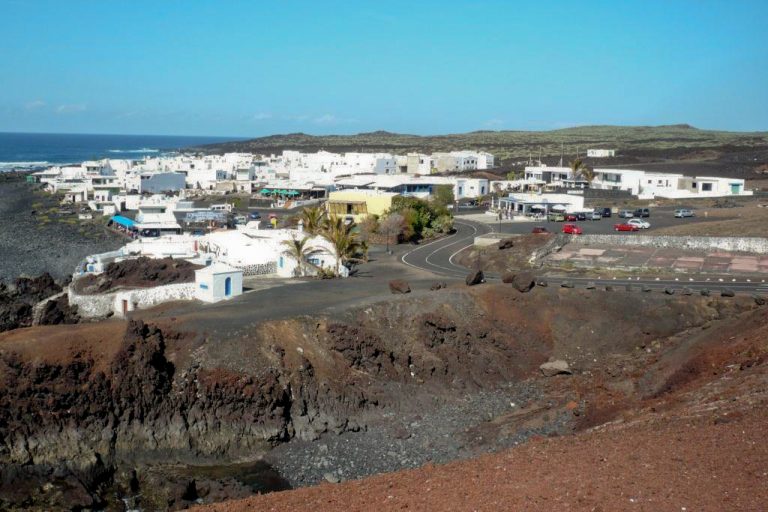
(706, 187)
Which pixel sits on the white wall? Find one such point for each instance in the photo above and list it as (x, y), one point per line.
(210, 287)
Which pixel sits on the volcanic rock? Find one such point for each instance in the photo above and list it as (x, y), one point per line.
(475, 277)
(556, 367)
(399, 286)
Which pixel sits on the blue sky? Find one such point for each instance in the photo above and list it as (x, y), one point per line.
(246, 68)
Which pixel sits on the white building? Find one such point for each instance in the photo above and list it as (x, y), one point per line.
(526, 204)
(601, 153)
(218, 282)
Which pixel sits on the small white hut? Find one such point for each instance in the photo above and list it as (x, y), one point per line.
(218, 282)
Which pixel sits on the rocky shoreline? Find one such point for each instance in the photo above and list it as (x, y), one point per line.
(37, 236)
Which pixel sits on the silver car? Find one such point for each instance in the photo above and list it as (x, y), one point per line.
(682, 213)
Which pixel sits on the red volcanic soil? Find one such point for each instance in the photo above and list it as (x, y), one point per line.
(666, 464)
(694, 442)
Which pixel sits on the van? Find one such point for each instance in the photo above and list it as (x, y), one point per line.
(642, 212)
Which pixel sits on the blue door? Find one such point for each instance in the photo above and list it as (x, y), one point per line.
(228, 287)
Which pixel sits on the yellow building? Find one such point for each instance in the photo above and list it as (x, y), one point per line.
(358, 204)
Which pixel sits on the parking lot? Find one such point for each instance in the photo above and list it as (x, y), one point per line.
(659, 218)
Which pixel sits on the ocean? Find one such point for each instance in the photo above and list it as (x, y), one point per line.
(36, 150)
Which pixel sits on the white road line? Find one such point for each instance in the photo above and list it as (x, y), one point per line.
(426, 260)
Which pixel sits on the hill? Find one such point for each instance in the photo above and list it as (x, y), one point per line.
(637, 141)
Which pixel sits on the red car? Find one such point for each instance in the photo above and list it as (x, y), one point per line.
(571, 218)
(539, 230)
(625, 227)
(572, 229)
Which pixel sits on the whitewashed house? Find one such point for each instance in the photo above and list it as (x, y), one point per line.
(601, 153)
(218, 282)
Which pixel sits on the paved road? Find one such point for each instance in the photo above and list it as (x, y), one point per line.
(438, 256)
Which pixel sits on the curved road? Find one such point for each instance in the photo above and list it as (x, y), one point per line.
(439, 256)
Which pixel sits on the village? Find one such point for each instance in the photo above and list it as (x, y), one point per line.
(240, 216)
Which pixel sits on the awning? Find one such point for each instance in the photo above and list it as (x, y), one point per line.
(264, 191)
(558, 207)
(538, 207)
(123, 221)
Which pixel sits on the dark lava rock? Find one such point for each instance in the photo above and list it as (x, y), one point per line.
(475, 277)
(669, 291)
(522, 281)
(566, 284)
(759, 299)
(687, 291)
(399, 286)
(438, 286)
(608, 288)
(591, 285)
(647, 289)
(704, 292)
(727, 292)
(507, 243)
(17, 302)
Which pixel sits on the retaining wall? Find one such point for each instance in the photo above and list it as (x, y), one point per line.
(100, 305)
(697, 243)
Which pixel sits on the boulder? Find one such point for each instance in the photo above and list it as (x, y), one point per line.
(669, 291)
(522, 281)
(704, 292)
(759, 299)
(507, 243)
(556, 367)
(609, 288)
(647, 288)
(542, 282)
(566, 284)
(591, 285)
(727, 292)
(687, 291)
(438, 286)
(331, 478)
(399, 286)
(475, 277)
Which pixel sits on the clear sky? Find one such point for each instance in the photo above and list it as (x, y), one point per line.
(250, 68)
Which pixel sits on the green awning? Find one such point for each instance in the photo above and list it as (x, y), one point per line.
(264, 191)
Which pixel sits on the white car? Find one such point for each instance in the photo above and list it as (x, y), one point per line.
(682, 213)
(640, 223)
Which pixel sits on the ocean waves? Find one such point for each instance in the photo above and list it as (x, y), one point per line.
(12, 166)
(140, 150)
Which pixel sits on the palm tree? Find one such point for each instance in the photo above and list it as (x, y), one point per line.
(312, 218)
(300, 250)
(581, 170)
(344, 241)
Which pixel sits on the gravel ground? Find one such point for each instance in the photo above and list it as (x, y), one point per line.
(33, 243)
(439, 432)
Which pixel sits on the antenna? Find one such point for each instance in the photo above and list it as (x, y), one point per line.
(561, 155)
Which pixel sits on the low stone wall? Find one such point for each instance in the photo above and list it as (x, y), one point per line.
(697, 243)
(491, 239)
(131, 300)
(103, 304)
(91, 306)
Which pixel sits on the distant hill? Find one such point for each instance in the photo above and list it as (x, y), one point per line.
(634, 143)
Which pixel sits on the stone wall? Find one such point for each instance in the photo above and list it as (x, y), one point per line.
(103, 304)
(696, 243)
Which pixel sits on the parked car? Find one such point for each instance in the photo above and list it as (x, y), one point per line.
(642, 212)
(581, 216)
(254, 216)
(682, 213)
(241, 219)
(605, 212)
(626, 214)
(571, 217)
(538, 230)
(625, 227)
(556, 216)
(572, 229)
(595, 215)
(640, 223)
